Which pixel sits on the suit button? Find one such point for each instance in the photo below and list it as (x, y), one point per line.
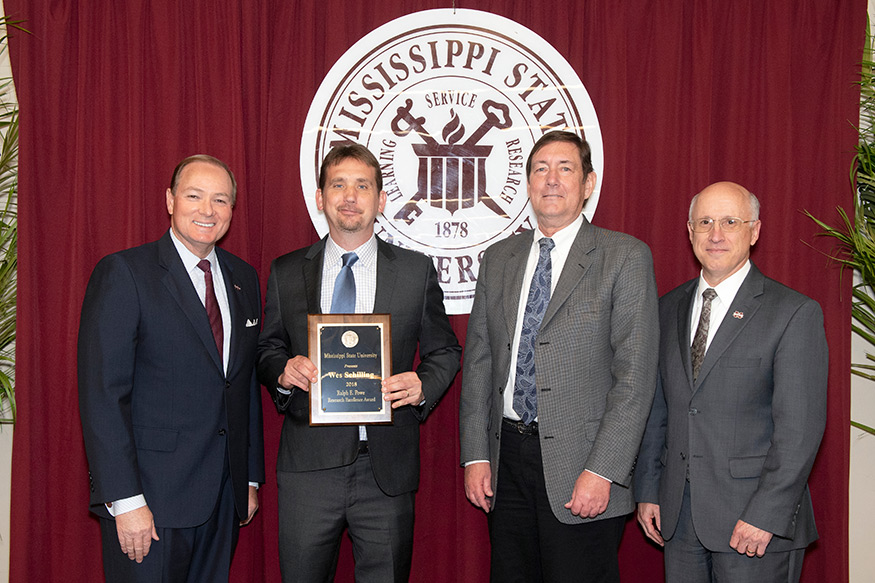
(221, 432)
(683, 456)
(693, 411)
(497, 435)
(227, 384)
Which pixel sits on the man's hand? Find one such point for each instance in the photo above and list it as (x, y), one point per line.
(590, 497)
(299, 372)
(253, 505)
(648, 518)
(478, 485)
(136, 530)
(749, 540)
(403, 389)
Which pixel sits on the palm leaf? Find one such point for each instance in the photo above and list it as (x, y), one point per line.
(855, 239)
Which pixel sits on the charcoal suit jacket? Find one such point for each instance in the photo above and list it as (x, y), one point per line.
(407, 290)
(750, 425)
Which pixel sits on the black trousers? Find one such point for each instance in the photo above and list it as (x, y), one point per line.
(529, 544)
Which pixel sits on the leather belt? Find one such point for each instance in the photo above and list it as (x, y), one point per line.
(520, 427)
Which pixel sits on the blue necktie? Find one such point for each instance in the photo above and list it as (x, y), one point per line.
(343, 300)
(525, 398)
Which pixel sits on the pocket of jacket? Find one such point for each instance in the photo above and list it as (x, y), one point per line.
(739, 362)
(155, 439)
(746, 467)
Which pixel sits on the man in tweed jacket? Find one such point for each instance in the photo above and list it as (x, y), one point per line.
(557, 488)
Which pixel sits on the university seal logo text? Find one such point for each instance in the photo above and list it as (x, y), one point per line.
(450, 102)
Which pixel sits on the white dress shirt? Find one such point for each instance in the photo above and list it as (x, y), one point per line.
(563, 239)
(726, 292)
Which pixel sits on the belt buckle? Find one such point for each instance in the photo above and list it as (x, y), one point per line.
(522, 428)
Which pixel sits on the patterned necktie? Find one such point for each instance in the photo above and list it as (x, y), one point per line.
(343, 300)
(212, 304)
(700, 340)
(525, 398)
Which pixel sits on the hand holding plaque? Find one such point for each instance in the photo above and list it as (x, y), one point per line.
(353, 353)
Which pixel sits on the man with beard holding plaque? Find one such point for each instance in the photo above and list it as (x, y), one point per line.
(361, 478)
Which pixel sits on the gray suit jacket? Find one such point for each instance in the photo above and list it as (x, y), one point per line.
(595, 361)
(751, 424)
(408, 290)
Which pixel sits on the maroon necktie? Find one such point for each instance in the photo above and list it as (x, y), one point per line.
(213, 311)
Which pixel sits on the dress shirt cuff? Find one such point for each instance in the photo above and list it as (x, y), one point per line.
(254, 485)
(466, 464)
(282, 391)
(126, 505)
(599, 475)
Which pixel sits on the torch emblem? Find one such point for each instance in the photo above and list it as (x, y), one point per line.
(452, 175)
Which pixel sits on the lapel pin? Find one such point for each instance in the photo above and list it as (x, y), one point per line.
(237, 287)
(738, 315)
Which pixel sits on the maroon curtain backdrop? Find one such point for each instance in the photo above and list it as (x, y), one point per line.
(113, 94)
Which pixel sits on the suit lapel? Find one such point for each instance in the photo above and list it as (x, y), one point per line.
(236, 294)
(387, 274)
(743, 308)
(312, 269)
(181, 289)
(576, 266)
(685, 309)
(514, 269)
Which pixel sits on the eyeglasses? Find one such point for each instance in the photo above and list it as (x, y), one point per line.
(727, 224)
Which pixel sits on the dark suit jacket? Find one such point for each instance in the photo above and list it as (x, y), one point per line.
(749, 427)
(408, 290)
(595, 362)
(158, 412)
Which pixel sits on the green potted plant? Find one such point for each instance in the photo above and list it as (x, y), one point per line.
(856, 238)
(8, 235)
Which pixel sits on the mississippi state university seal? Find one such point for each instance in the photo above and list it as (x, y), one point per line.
(450, 102)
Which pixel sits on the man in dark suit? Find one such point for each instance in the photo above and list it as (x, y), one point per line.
(560, 362)
(332, 477)
(170, 407)
(739, 411)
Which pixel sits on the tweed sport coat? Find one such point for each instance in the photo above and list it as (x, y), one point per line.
(595, 362)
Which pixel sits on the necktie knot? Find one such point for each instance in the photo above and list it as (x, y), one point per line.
(709, 294)
(547, 245)
(349, 259)
(204, 265)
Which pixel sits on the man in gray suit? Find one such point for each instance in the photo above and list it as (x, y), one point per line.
(332, 477)
(739, 411)
(560, 366)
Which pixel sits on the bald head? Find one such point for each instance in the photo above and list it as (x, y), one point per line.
(726, 188)
(725, 248)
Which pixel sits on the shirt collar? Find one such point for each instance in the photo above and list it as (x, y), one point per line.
(563, 236)
(367, 252)
(728, 288)
(189, 259)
